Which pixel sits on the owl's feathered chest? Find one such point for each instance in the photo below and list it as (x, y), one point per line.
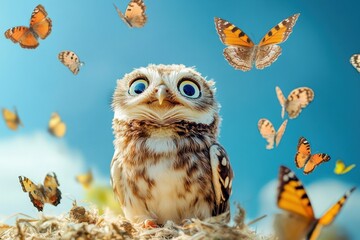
(148, 141)
(164, 168)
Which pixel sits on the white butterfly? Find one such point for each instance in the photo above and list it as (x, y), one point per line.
(267, 131)
(71, 60)
(355, 61)
(135, 14)
(298, 99)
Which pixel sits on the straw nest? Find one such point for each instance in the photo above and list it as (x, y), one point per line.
(83, 224)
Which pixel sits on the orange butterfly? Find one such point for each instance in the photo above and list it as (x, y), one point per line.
(41, 194)
(304, 158)
(27, 37)
(56, 126)
(12, 119)
(241, 52)
(135, 14)
(85, 179)
(300, 221)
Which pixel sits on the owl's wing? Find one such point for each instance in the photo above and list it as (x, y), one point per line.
(116, 170)
(222, 176)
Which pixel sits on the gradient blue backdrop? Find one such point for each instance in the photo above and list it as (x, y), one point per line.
(315, 55)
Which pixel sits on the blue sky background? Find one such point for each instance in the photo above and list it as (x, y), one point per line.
(316, 55)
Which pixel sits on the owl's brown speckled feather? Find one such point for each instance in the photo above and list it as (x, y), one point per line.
(167, 163)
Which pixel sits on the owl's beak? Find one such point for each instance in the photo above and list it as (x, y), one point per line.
(162, 92)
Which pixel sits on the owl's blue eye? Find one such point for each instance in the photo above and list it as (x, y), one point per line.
(138, 87)
(189, 89)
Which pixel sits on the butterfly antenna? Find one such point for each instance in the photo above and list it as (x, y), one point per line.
(70, 197)
(118, 11)
(257, 219)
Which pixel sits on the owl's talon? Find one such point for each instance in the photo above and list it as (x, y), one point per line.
(148, 223)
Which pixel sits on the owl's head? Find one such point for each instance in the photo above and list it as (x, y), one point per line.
(165, 94)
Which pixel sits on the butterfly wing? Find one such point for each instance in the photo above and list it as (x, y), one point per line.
(303, 152)
(23, 36)
(71, 60)
(329, 216)
(56, 127)
(40, 23)
(267, 131)
(266, 55)
(291, 226)
(340, 167)
(282, 100)
(355, 61)
(52, 193)
(268, 51)
(35, 192)
(298, 99)
(241, 49)
(280, 132)
(239, 57)
(349, 168)
(292, 195)
(12, 119)
(280, 32)
(314, 161)
(135, 13)
(231, 35)
(85, 179)
(122, 16)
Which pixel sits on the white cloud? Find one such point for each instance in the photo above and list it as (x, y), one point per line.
(323, 194)
(267, 201)
(34, 156)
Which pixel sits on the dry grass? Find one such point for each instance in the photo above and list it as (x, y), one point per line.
(83, 224)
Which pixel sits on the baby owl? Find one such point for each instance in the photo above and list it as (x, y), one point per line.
(167, 163)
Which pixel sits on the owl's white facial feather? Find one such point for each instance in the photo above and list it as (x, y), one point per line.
(174, 107)
(173, 115)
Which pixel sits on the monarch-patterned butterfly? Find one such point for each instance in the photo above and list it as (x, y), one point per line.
(41, 194)
(300, 221)
(135, 14)
(242, 53)
(27, 37)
